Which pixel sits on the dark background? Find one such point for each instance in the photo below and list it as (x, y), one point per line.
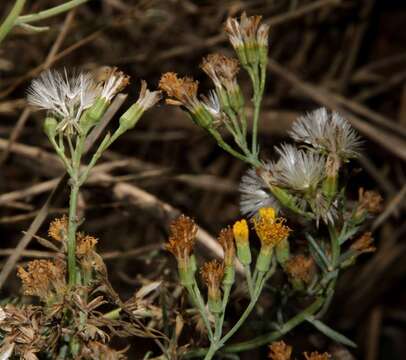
(346, 55)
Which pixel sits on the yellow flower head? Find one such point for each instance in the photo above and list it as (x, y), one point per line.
(240, 231)
(270, 229)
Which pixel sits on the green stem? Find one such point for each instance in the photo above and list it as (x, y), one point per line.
(11, 19)
(194, 293)
(257, 106)
(257, 99)
(248, 276)
(49, 12)
(245, 314)
(272, 336)
(335, 246)
(72, 226)
(229, 149)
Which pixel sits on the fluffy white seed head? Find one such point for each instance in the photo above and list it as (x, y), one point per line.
(66, 97)
(255, 193)
(327, 133)
(298, 170)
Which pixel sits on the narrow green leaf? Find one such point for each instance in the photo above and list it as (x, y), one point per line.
(329, 332)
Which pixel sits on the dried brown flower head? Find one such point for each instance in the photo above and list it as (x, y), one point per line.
(300, 267)
(226, 239)
(85, 244)
(222, 70)
(181, 91)
(243, 32)
(182, 238)
(249, 38)
(98, 350)
(316, 356)
(270, 230)
(368, 201)
(22, 331)
(280, 351)
(212, 273)
(43, 278)
(58, 228)
(364, 243)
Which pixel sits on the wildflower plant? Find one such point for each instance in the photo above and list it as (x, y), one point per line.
(299, 195)
(75, 104)
(73, 286)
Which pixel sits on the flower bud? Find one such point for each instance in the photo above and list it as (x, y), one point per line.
(49, 127)
(93, 115)
(282, 251)
(240, 231)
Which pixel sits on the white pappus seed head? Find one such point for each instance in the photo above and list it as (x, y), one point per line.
(255, 193)
(66, 97)
(327, 132)
(298, 170)
(324, 209)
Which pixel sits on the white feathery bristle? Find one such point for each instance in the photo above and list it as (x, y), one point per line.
(255, 193)
(327, 133)
(324, 209)
(298, 170)
(65, 96)
(212, 104)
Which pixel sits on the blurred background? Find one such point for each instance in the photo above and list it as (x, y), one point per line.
(346, 55)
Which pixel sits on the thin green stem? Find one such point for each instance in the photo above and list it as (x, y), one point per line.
(246, 313)
(335, 246)
(41, 15)
(194, 293)
(229, 149)
(11, 19)
(257, 99)
(72, 226)
(257, 107)
(248, 276)
(272, 336)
